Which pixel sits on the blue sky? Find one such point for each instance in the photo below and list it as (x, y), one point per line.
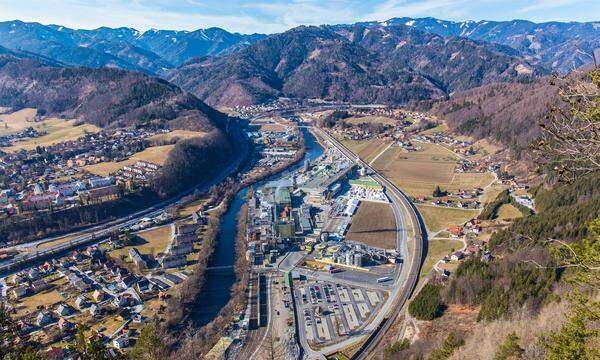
(274, 16)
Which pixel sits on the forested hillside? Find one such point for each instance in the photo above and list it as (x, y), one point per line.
(104, 97)
(543, 270)
(353, 63)
(509, 113)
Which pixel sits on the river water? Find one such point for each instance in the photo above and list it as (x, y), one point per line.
(217, 287)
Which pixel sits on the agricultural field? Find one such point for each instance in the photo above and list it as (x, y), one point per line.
(440, 218)
(492, 192)
(46, 299)
(418, 173)
(367, 150)
(436, 250)
(154, 154)
(372, 120)
(57, 131)
(191, 208)
(438, 129)
(470, 180)
(374, 225)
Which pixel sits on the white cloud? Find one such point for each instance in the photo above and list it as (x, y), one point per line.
(445, 9)
(546, 4)
(269, 16)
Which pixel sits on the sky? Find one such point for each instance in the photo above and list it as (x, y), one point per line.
(264, 16)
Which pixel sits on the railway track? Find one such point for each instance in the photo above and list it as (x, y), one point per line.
(376, 337)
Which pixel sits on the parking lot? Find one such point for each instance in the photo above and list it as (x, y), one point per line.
(329, 311)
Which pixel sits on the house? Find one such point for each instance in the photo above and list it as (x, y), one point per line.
(173, 261)
(127, 281)
(456, 230)
(199, 218)
(43, 318)
(19, 291)
(94, 310)
(54, 353)
(137, 259)
(18, 279)
(457, 255)
(64, 324)
(472, 249)
(137, 319)
(81, 302)
(143, 286)
(23, 326)
(98, 295)
(77, 256)
(39, 285)
(33, 274)
(120, 301)
(64, 310)
(121, 342)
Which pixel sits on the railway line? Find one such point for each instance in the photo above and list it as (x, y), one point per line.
(420, 240)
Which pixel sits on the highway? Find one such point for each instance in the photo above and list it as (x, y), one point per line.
(405, 281)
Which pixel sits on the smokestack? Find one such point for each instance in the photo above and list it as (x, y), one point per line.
(596, 53)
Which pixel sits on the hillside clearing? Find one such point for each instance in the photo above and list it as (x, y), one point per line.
(174, 136)
(57, 131)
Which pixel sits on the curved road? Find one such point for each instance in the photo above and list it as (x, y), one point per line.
(402, 293)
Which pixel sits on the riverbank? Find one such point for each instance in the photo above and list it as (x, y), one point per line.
(211, 309)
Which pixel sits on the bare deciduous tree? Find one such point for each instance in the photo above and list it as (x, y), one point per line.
(570, 142)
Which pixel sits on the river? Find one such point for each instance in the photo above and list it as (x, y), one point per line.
(217, 288)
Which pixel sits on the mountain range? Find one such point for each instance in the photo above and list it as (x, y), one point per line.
(397, 61)
(353, 63)
(560, 46)
(105, 97)
(153, 51)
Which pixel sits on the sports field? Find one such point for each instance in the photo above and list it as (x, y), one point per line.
(374, 225)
